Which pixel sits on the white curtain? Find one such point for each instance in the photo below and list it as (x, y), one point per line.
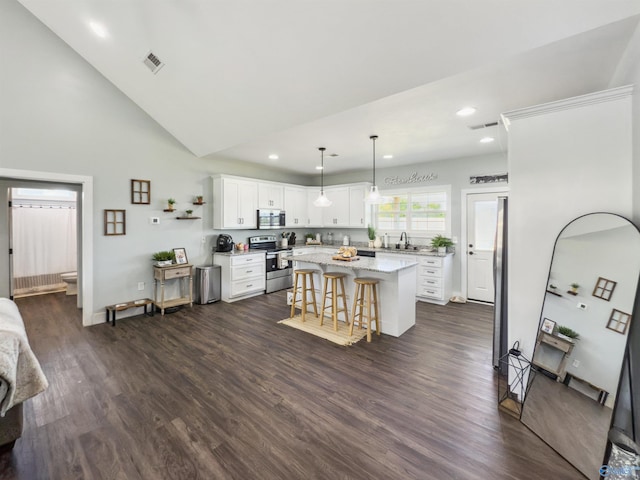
(44, 240)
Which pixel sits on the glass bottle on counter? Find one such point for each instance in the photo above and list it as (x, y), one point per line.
(330, 238)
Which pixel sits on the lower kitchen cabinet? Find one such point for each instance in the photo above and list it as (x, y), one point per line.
(243, 275)
(434, 279)
(434, 276)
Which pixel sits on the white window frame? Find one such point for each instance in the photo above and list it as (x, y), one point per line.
(417, 191)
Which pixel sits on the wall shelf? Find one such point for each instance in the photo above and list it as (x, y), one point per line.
(188, 218)
(169, 210)
(199, 203)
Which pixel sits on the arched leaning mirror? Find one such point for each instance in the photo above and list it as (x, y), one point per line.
(582, 336)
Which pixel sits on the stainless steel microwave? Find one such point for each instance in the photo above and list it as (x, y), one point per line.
(268, 218)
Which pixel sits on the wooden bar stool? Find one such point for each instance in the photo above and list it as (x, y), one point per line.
(365, 298)
(304, 288)
(335, 292)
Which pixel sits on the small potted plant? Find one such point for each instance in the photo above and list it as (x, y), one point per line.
(309, 237)
(567, 332)
(285, 239)
(371, 233)
(574, 288)
(441, 243)
(189, 212)
(171, 202)
(163, 258)
(199, 200)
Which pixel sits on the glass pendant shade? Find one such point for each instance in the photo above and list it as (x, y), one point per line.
(322, 200)
(374, 195)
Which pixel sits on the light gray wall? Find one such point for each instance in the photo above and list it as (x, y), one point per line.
(454, 172)
(60, 115)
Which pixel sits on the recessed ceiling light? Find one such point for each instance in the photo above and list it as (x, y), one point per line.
(466, 111)
(319, 167)
(387, 157)
(273, 156)
(487, 140)
(99, 29)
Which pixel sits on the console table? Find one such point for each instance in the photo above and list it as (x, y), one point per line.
(564, 345)
(183, 274)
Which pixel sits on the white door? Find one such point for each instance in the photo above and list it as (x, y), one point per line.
(482, 209)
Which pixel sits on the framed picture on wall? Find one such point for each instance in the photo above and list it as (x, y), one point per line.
(181, 255)
(548, 326)
(604, 288)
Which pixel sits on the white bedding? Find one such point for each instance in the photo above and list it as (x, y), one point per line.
(20, 371)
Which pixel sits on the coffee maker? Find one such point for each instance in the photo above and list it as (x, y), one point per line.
(224, 243)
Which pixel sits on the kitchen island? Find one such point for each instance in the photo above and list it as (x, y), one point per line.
(396, 290)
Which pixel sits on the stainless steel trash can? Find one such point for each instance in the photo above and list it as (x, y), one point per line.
(207, 284)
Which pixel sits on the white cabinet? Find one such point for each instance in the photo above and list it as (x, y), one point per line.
(242, 275)
(270, 195)
(359, 210)
(295, 206)
(235, 203)
(314, 214)
(434, 277)
(336, 215)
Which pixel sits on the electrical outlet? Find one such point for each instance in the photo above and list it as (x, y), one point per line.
(204, 239)
(154, 220)
(582, 306)
(140, 285)
(575, 364)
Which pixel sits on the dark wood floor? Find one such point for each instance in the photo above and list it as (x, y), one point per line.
(222, 391)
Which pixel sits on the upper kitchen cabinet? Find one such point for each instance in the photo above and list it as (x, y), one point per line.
(337, 214)
(295, 206)
(270, 195)
(235, 202)
(359, 210)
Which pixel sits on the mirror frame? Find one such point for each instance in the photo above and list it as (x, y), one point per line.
(626, 372)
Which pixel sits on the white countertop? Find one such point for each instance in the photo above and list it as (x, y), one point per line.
(371, 264)
(237, 253)
(421, 252)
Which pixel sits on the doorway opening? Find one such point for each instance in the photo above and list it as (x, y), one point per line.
(44, 241)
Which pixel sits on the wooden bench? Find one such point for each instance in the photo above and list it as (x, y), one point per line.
(602, 394)
(119, 307)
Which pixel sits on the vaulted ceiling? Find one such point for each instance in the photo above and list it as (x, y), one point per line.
(246, 79)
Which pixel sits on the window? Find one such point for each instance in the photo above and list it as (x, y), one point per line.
(421, 212)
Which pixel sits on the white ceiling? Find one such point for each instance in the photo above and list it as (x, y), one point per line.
(244, 79)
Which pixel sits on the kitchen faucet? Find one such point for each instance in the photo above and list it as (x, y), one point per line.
(406, 239)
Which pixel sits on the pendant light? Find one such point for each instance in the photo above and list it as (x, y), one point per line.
(374, 195)
(322, 200)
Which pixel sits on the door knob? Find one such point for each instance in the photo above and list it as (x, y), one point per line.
(471, 245)
(470, 253)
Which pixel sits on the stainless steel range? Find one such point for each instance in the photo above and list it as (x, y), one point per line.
(278, 269)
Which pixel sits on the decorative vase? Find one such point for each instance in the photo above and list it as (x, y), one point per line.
(285, 242)
(370, 243)
(377, 243)
(442, 249)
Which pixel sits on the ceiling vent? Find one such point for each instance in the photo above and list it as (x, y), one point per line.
(483, 125)
(153, 62)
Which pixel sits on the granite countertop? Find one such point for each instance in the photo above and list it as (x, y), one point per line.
(421, 251)
(371, 264)
(236, 253)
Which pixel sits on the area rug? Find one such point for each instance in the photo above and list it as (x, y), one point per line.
(312, 325)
